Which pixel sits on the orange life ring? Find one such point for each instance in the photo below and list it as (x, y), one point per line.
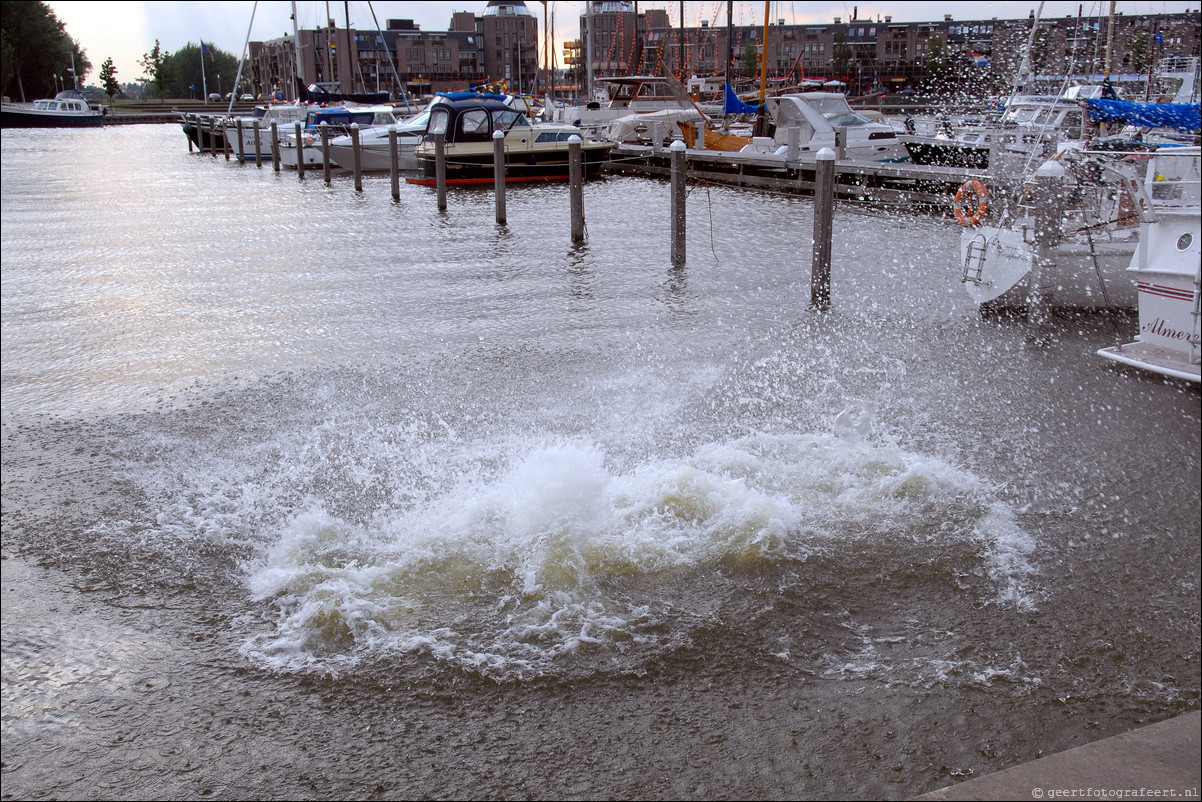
(972, 203)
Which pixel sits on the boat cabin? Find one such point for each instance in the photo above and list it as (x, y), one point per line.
(472, 118)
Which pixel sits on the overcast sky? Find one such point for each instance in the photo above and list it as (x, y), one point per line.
(127, 30)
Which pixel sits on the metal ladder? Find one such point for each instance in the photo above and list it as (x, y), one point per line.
(974, 262)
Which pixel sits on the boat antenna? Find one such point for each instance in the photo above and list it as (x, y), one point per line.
(242, 60)
(391, 63)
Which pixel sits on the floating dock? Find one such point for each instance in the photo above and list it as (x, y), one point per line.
(885, 183)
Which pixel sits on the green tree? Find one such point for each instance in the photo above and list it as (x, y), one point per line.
(841, 57)
(108, 79)
(181, 70)
(153, 67)
(1140, 53)
(36, 52)
(751, 61)
(938, 65)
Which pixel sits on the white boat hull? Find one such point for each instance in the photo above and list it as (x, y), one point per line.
(1086, 273)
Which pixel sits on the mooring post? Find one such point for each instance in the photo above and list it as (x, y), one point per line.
(275, 147)
(1048, 195)
(498, 173)
(357, 157)
(194, 128)
(241, 145)
(300, 151)
(394, 163)
(793, 143)
(212, 137)
(225, 139)
(440, 169)
(677, 203)
(325, 150)
(576, 187)
(700, 128)
(824, 219)
(258, 148)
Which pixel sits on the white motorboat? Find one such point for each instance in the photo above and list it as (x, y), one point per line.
(1082, 259)
(807, 122)
(338, 121)
(1166, 268)
(284, 115)
(374, 148)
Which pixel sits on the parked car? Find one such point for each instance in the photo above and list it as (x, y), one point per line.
(214, 97)
(248, 98)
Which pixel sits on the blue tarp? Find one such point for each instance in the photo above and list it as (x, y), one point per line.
(733, 105)
(1185, 117)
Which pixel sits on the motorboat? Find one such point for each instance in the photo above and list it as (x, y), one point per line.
(628, 95)
(533, 151)
(806, 122)
(68, 109)
(1080, 261)
(1166, 269)
(338, 121)
(374, 145)
(284, 115)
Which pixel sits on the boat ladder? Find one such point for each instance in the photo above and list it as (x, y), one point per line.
(974, 262)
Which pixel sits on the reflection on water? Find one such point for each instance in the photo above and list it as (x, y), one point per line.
(417, 505)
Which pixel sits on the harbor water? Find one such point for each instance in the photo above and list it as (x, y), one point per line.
(312, 494)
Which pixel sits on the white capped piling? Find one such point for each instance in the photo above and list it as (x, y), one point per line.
(824, 220)
(241, 144)
(677, 204)
(194, 128)
(576, 187)
(700, 128)
(440, 168)
(325, 150)
(394, 163)
(212, 137)
(258, 148)
(498, 173)
(357, 158)
(225, 142)
(657, 136)
(275, 147)
(1048, 196)
(300, 151)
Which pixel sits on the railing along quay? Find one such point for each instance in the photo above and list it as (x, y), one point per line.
(886, 183)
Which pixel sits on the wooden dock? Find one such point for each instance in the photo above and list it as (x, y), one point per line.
(883, 183)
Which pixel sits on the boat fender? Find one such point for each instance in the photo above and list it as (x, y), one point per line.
(972, 203)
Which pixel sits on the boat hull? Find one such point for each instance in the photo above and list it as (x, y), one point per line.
(27, 118)
(521, 166)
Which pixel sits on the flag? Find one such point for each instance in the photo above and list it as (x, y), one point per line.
(1159, 38)
(204, 50)
(980, 60)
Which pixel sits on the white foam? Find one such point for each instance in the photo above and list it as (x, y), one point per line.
(564, 553)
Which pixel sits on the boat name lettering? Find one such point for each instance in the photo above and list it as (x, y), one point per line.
(1159, 328)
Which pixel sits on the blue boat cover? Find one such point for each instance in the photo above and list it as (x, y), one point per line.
(732, 104)
(1185, 117)
(472, 96)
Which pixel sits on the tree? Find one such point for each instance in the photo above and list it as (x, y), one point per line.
(153, 67)
(108, 79)
(751, 61)
(841, 57)
(36, 52)
(181, 69)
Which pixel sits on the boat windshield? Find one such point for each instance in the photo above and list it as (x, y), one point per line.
(848, 120)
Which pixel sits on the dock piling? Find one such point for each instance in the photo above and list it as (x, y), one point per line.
(677, 204)
(1048, 195)
(241, 144)
(440, 169)
(394, 163)
(275, 147)
(824, 219)
(212, 136)
(258, 148)
(325, 151)
(498, 173)
(300, 151)
(576, 187)
(357, 158)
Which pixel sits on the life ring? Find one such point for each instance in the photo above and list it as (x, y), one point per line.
(972, 203)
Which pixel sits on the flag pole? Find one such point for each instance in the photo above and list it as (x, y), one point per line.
(204, 81)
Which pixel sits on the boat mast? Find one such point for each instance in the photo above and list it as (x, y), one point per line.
(391, 63)
(242, 60)
(297, 75)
